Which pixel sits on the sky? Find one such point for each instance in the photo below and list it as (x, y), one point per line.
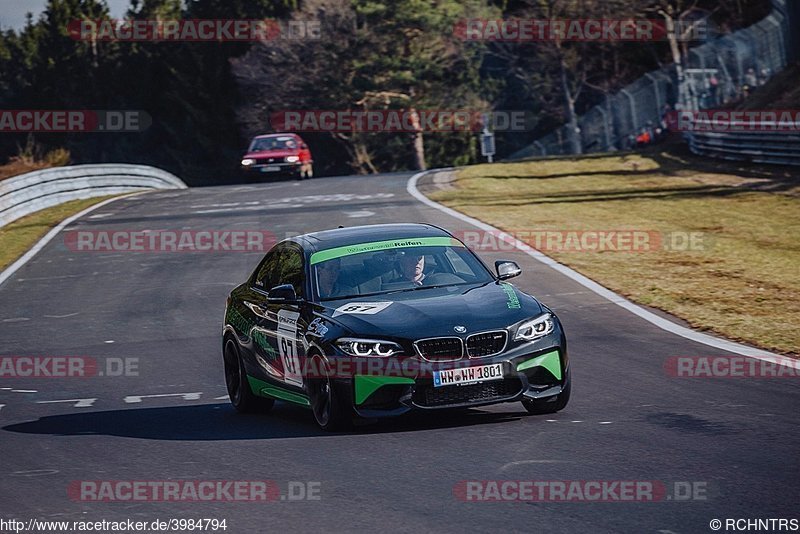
(12, 12)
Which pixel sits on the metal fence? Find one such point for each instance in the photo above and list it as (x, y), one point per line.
(33, 191)
(717, 72)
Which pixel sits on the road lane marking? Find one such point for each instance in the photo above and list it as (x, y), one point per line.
(79, 403)
(359, 214)
(132, 399)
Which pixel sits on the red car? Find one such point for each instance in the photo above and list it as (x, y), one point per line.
(278, 154)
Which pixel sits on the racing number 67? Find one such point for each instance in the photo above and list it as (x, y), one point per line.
(289, 354)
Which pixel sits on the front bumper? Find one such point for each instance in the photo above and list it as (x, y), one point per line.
(528, 373)
(267, 169)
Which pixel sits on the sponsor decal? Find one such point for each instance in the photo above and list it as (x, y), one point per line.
(513, 300)
(333, 253)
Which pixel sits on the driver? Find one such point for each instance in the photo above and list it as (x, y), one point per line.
(410, 268)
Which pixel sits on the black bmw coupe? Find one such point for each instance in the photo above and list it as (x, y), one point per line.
(378, 320)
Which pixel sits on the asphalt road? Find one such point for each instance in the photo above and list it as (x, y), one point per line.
(736, 439)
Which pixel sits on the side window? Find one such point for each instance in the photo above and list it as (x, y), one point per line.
(269, 274)
(291, 267)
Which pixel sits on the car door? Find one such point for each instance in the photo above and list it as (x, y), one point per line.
(285, 323)
(265, 357)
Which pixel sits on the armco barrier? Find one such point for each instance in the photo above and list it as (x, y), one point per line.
(759, 145)
(26, 193)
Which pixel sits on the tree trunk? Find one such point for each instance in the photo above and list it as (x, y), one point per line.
(573, 134)
(419, 142)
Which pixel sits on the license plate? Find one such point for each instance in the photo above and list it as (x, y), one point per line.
(270, 168)
(468, 375)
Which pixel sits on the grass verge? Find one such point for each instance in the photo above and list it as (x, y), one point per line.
(741, 279)
(19, 236)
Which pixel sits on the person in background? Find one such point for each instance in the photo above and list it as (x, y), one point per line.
(328, 281)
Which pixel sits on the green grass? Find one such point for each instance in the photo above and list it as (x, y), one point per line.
(743, 283)
(19, 236)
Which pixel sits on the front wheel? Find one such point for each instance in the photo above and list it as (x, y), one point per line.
(239, 391)
(552, 404)
(330, 412)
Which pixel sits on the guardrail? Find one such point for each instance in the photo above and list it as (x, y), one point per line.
(757, 145)
(33, 191)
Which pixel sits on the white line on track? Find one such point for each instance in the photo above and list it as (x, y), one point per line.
(14, 267)
(78, 403)
(131, 399)
(619, 300)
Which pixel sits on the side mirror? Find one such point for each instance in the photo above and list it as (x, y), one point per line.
(507, 269)
(282, 293)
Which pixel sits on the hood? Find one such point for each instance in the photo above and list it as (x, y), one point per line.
(277, 153)
(434, 312)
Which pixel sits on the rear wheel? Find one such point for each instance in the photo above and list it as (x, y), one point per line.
(239, 391)
(552, 404)
(330, 412)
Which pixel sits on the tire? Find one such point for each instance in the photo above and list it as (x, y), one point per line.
(330, 412)
(239, 392)
(552, 404)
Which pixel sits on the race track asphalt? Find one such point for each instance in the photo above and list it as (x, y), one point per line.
(736, 439)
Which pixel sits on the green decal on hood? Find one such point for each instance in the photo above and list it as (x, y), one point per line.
(513, 300)
(338, 252)
(549, 361)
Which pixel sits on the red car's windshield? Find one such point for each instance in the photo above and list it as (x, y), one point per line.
(273, 143)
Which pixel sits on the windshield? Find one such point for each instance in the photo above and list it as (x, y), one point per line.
(279, 142)
(361, 270)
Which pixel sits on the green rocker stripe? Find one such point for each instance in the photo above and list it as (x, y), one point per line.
(367, 385)
(264, 389)
(338, 252)
(549, 361)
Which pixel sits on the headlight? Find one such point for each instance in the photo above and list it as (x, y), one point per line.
(292, 159)
(248, 161)
(368, 347)
(535, 328)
